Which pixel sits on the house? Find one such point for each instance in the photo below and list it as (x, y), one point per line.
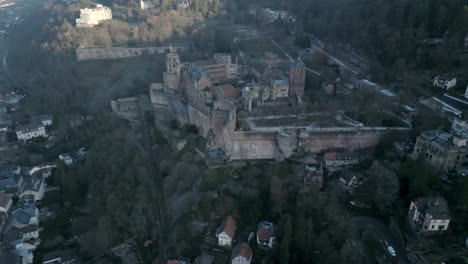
(45, 169)
(183, 4)
(66, 158)
(26, 213)
(226, 232)
(21, 242)
(10, 169)
(34, 186)
(10, 181)
(90, 17)
(440, 149)
(5, 202)
(241, 254)
(146, 5)
(69, 256)
(429, 215)
(335, 159)
(466, 92)
(265, 234)
(444, 82)
(350, 180)
(313, 179)
(30, 131)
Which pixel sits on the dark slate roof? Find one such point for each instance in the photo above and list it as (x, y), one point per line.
(435, 206)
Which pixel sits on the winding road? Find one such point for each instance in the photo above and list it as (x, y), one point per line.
(363, 223)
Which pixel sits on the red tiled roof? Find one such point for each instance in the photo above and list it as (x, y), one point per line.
(243, 250)
(263, 234)
(330, 156)
(228, 226)
(230, 91)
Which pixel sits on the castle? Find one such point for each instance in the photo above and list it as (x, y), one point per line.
(242, 121)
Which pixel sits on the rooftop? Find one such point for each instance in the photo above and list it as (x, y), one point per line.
(4, 200)
(243, 250)
(265, 230)
(228, 226)
(435, 206)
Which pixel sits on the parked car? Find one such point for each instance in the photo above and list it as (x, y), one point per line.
(390, 250)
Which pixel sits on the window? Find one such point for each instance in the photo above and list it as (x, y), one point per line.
(432, 226)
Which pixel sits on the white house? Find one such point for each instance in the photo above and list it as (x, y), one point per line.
(466, 92)
(226, 232)
(90, 17)
(265, 234)
(5, 203)
(429, 214)
(445, 82)
(241, 254)
(33, 130)
(146, 5)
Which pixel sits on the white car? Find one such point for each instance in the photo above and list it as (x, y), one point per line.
(390, 249)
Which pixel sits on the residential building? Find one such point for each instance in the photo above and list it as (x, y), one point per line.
(429, 214)
(10, 181)
(440, 149)
(444, 82)
(34, 186)
(349, 180)
(26, 215)
(90, 17)
(30, 131)
(313, 179)
(265, 234)
(10, 169)
(146, 5)
(66, 158)
(336, 159)
(21, 241)
(466, 92)
(226, 232)
(241, 254)
(69, 256)
(5, 202)
(183, 4)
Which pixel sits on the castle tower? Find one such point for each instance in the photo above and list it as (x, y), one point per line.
(173, 63)
(297, 77)
(171, 76)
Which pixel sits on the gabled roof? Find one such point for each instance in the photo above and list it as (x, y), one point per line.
(265, 230)
(228, 226)
(435, 206)
(242, 250)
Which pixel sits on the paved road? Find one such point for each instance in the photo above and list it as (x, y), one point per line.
(362, 223)
(334, 59)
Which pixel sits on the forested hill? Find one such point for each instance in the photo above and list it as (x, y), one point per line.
(130, 24)
(390, 29)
